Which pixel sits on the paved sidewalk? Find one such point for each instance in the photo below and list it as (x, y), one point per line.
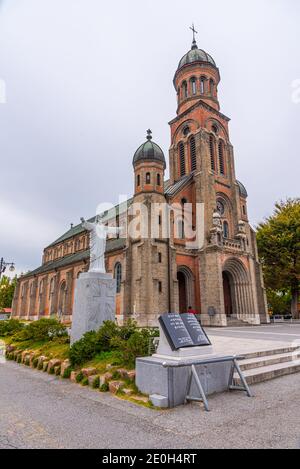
(241, 340)
(40, 411)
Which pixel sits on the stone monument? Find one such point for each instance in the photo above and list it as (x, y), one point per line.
(182, 343)
(95, 290)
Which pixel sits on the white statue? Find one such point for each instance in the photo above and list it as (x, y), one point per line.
(98, 234)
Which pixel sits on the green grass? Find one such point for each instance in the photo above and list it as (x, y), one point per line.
(56, 348)
(101, 361)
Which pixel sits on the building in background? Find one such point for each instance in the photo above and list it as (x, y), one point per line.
(222, 280)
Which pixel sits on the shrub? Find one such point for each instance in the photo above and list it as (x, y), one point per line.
(136, 346)
(96, 383)
(10, 327)
(104, 335)
(104, 387)
(40, 365)
(84, 349)
(43, 329)
(129, 328)
(79, 377)
(67, 373)
(35, 362)
(93, 343)
(85, 381)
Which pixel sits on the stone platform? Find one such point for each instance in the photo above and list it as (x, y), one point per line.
(170, 383)
(94, 303)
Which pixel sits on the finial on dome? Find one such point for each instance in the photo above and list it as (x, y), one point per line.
(149, 134)
(194, 44)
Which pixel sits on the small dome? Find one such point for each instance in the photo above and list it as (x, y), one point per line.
(196, 55)
(243, 190)
(149, 151)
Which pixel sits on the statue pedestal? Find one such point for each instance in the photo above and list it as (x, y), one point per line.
(94, 303)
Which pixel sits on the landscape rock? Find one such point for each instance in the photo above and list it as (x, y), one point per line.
(64, 367)
(10, 348)
(41, 360)
(92, 379)
(114, 386)
(89, 371)
(73, 376)
(52, 364)
(131, 375)
(45, 365)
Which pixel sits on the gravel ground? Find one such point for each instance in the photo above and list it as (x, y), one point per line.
(40, 411)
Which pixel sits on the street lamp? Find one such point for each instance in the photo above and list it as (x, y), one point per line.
(4, 265)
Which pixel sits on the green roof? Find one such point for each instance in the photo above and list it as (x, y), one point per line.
(112, 245)
(76, 230)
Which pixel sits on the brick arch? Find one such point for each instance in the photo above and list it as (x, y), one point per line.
(240, 288)
(188, 122)
(211, 121)
(184, 274)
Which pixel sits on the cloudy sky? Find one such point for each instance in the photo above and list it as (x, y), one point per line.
(84, 79)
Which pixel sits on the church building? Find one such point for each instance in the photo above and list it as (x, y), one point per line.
(221, 278)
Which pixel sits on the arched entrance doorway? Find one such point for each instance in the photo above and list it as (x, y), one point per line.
(182, 292)
(238, 298)
(227, 294)
(185, 289)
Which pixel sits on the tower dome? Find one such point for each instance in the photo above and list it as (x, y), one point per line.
(149, 151)
(195, 55)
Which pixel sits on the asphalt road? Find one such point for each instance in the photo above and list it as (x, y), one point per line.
(40, 411)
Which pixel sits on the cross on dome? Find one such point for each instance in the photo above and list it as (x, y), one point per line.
(194, 45)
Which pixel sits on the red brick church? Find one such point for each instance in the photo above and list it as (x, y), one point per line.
(222, 280)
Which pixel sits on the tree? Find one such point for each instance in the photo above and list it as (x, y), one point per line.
(278, 240)
(7, 288)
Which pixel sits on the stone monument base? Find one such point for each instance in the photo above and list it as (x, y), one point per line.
(94, 303)
(167, 386)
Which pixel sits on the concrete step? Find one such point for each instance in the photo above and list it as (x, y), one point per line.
(233, 322)
(266, 373)
(260, 362)
(267, 353)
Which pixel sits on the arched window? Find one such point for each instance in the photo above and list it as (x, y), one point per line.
(202, 85)
(148, 178)
(180, 229)
(221, 158)
(41, 287)
(193, 85)
(193, 154)
(158, 179)
(225, 229)
(212, 152)
(185, 89)
(51, 289)
(138, 180)
(118, 276)
(181, 159)
(211, 86)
